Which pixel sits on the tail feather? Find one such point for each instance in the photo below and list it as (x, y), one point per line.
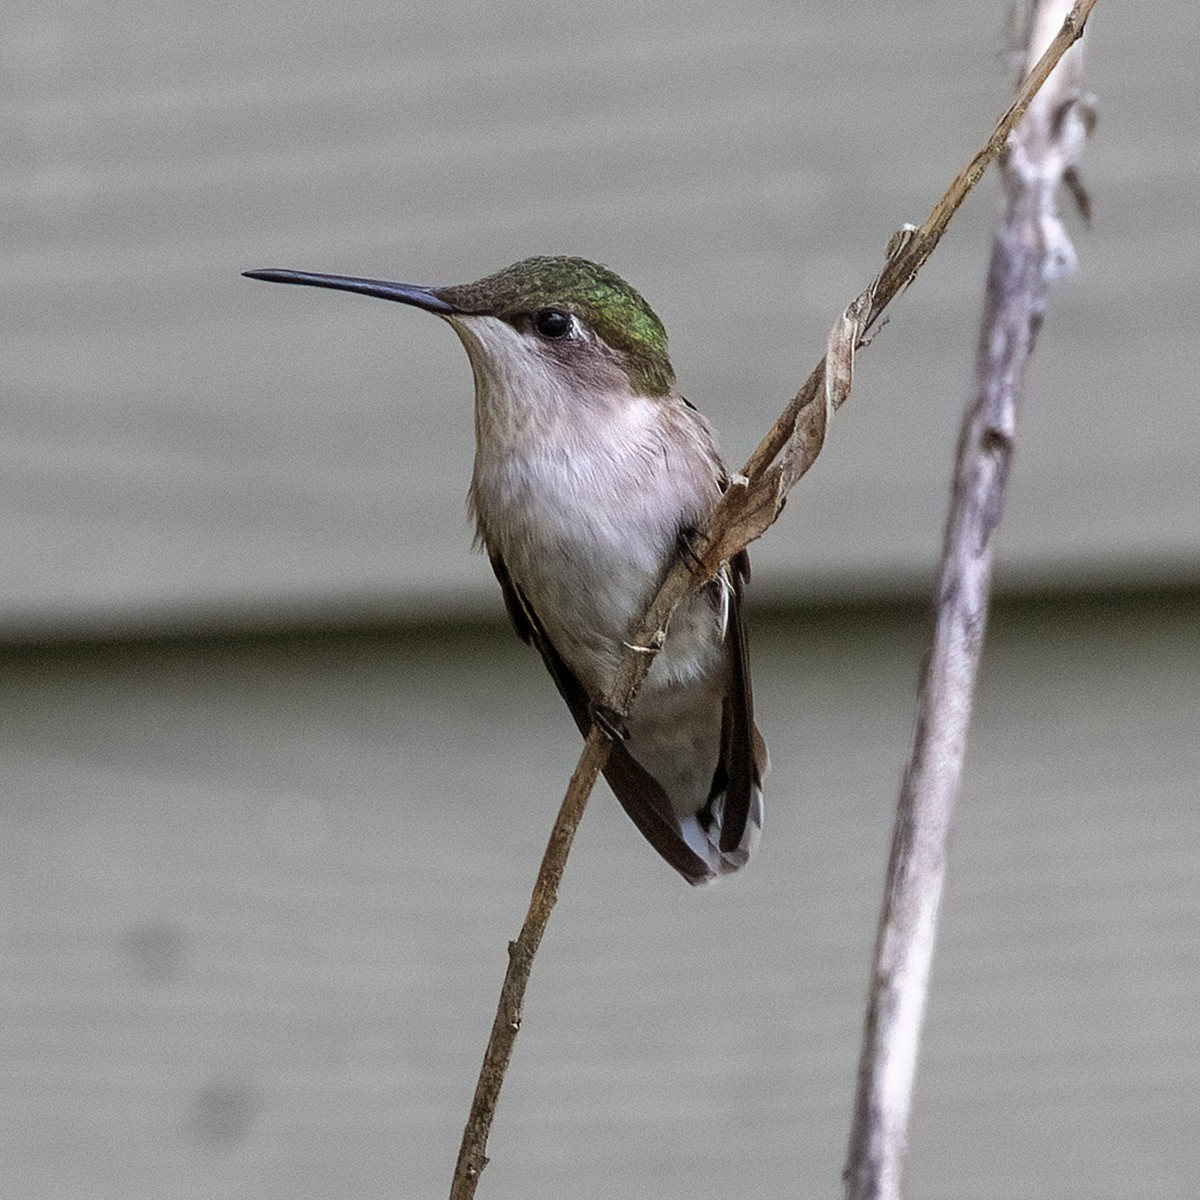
(705, 835)
(718, 838)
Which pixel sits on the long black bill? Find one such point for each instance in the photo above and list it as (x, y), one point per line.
(404, 293)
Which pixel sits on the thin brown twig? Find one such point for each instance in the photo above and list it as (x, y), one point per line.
(746, 511)
(1031, 249)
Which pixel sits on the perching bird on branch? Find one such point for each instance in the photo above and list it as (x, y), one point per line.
(591, 473)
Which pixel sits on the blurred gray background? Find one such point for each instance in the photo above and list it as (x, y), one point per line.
(276, 776)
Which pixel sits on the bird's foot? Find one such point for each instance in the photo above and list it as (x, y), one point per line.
(611, 722)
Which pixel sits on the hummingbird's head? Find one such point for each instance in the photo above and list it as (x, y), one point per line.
(575, 314)
(567, 319)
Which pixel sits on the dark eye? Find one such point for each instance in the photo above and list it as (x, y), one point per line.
(552, 323)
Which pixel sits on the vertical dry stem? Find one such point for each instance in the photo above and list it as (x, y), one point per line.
(1030, 251)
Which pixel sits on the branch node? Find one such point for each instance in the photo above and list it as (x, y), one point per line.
(653, 648)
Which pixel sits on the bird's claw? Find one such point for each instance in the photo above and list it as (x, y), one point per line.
(611, 722)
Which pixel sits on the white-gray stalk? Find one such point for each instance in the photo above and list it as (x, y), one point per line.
(1030, 251)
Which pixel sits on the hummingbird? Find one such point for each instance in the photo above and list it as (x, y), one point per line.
(591, 473)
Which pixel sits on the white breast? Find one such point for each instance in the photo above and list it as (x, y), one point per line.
(583, 498)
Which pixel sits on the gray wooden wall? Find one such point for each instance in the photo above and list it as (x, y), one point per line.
(182, 445)
(256, 889)
(257, 895)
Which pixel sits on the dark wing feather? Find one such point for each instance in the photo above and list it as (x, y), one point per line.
(514, 602)
(640, 794)
(741, 746)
